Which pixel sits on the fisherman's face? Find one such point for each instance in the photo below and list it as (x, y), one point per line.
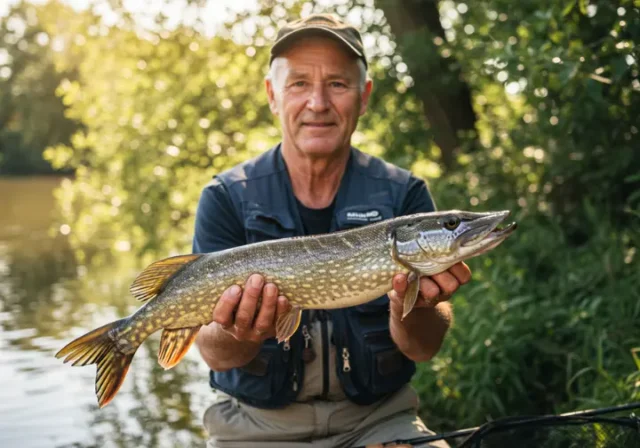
(316, 93)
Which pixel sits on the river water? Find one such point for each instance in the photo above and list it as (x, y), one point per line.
(48, 297)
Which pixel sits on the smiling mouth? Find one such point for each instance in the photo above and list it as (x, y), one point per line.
(318, 125)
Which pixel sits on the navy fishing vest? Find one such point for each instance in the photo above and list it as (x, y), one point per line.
(369, 366)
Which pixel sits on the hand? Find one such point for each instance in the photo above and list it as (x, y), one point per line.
(433, 290)
(238, 314)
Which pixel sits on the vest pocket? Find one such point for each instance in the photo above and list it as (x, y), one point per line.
(377, 367)
(261, 225)
(264, 382)
(386, 362)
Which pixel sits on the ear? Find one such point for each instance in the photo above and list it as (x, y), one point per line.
(364, 100)
(271, 97)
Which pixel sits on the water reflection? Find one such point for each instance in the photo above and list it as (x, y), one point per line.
(47, 298)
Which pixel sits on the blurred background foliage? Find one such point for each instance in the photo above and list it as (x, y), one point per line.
(527, 106)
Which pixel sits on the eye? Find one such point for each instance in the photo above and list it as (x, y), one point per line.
(452, 223)
(297, 85)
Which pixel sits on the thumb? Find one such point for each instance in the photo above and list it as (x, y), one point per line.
(399, 284)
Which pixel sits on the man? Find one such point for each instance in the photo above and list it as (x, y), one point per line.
(342, 379)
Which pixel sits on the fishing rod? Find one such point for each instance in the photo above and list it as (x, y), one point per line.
(568, 418)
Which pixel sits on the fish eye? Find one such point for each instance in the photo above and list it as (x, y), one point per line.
(452, 223)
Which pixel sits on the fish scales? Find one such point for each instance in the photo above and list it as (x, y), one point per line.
(328, 271)
(302, 270)
(292, 264)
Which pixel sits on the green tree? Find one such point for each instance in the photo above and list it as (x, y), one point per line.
(162, 113)
(32, 116)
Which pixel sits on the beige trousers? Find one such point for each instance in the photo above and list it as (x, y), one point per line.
(315, 424)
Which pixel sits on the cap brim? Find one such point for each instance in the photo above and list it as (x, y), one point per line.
(282, 43)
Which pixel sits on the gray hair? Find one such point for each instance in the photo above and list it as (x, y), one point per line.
(273, 71)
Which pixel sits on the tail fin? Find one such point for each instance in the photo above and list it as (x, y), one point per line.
(97, 347)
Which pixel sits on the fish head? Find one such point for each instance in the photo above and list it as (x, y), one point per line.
(432, 242)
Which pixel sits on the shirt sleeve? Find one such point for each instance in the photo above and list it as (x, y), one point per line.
(418, 198)
(217, 226)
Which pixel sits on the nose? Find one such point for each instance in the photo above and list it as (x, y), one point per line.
(318, 101)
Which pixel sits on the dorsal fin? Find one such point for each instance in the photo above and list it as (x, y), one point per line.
(151, 281)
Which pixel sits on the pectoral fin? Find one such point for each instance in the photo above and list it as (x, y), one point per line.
(287, 324)
(174, 344)
(411, 295)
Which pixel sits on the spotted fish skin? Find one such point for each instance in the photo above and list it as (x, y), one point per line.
(335, 270)
(326, 271)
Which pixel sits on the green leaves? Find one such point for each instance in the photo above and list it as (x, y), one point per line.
(31, 115)
(569, 7)
(162, 115)
(581, 4)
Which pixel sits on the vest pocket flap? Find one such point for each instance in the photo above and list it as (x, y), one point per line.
(268, 223)
(359, 215)
(258, 366)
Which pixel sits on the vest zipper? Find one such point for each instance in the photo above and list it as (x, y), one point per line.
(308, 354)
(306, 336)
(294, 386)
(343, 357)
(346, 365)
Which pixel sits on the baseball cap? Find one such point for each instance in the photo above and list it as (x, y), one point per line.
(319, 24)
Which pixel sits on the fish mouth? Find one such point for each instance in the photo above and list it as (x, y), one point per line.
(488, 229)
(500, 232)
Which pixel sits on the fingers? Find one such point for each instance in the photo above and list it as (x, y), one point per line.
(265, 319)
(225, 308)
(461, 272)
(400, 284)
(283, 306)
(429, 289)
(447, 282)
(442, 286)
(248, 304)
(250, 314)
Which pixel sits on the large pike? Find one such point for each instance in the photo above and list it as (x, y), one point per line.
(335, 270)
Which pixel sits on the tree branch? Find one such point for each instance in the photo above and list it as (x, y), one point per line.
(445, 96)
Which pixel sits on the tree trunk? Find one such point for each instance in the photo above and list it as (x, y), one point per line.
(445, 96)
